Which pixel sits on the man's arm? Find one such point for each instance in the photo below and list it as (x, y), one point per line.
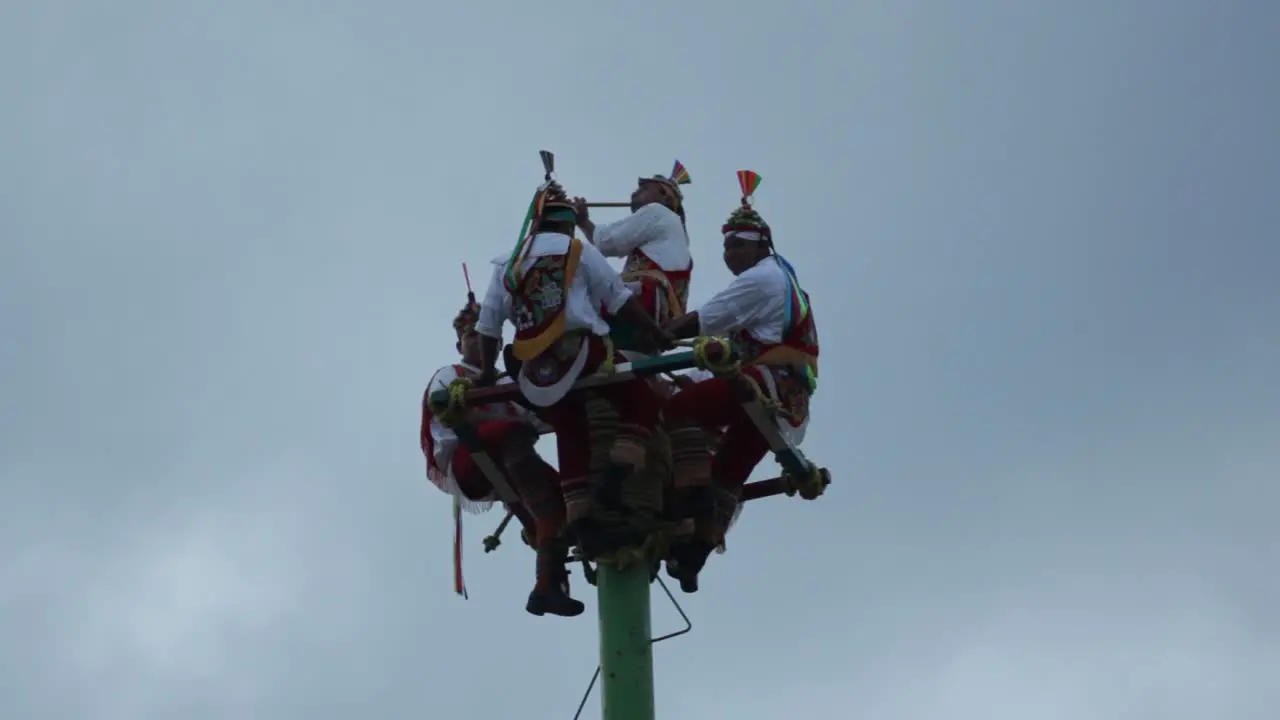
(494, 312)
(605, 285)
(585, 224)
(746, 301)
(646, 225)
(685, 326)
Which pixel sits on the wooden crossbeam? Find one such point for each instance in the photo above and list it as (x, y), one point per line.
(480, 456)
(646, 367)
(788, 456)
(510, 391)
(775, 486)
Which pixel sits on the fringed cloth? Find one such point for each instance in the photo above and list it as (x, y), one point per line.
(690, 457)
(612, 440)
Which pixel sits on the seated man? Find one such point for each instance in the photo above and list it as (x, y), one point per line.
(767, 316)
(654, 242)
(509, 433)
(550, 288)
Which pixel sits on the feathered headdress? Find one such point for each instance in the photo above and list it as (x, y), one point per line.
(744, 222)
(671, 183)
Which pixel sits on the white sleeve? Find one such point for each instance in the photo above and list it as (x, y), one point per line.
(619, 239)
(443, 439)
(604, 284)
(496, 307)
(748, 300)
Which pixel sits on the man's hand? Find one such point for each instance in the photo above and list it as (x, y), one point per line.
(663, 339)
(581, 210)
(685, 326)
(684, 382)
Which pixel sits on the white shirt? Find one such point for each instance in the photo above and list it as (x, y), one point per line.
(655, 230)
(596, 283)
(756, 301)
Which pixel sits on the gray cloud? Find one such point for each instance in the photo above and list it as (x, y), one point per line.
(1040, 241)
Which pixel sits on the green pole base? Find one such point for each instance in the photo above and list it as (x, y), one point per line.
(626, 649)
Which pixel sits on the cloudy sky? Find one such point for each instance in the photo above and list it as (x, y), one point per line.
(1040, 237)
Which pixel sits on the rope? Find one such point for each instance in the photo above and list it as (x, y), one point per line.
(655, 545)
(608, 367)
(810, 487)
(728, 363)
(455, 412)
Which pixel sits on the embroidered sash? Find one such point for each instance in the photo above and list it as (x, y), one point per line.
(540, 300)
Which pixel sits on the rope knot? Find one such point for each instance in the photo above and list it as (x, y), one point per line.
(455, 412)
(608, 366)
(716, 356)
(809, 487)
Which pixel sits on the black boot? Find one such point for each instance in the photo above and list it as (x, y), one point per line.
(592, 539)
(551, 594)
(701, 504)
(688, 560)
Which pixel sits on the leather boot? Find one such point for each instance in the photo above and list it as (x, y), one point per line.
(686, 561)
(551, 592)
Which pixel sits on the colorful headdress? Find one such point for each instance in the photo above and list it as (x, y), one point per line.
(745, 222)
(671, 183)
(549, 203)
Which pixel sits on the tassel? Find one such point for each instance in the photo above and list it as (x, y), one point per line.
(679, 175)
(459, 586)
(748, 180)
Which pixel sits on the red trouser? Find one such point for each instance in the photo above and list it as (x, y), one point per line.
(494, 434)
(710, 405)
(638, 407)
(540, 508)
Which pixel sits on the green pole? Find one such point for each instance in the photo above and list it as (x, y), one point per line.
(626, 649)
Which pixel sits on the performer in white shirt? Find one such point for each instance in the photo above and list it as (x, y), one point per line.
(653, 240)
(551, 288)
(509, 433)
(768, 318)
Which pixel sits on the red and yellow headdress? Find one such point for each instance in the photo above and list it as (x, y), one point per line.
(745, 222)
